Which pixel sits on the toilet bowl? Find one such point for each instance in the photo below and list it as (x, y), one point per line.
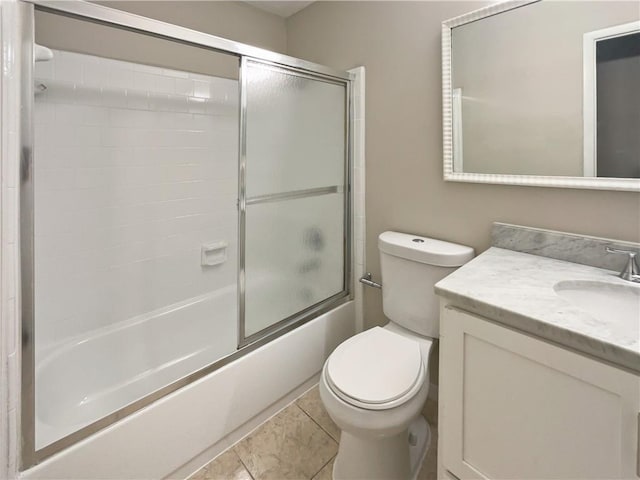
(375, 384)
(383, 434)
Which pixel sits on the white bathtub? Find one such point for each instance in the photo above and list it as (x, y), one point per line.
(170, 433)
(96, 374)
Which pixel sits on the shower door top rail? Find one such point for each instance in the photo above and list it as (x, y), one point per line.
(140, 24)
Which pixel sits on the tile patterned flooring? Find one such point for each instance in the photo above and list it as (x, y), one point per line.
(299, 442)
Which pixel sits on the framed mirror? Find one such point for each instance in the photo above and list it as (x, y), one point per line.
(543, 93)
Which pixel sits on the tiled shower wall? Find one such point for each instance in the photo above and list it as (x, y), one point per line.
(135, 169)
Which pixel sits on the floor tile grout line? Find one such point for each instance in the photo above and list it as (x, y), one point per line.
(328, 462)
(293, 402)
(251, 432)
(321, 427)
(233, 447)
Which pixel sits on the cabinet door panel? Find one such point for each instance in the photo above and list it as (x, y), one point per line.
(518, 407)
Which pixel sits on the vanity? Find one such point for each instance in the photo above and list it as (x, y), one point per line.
(539, 363)
(539, 337)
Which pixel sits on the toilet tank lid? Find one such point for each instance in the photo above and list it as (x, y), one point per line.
(424, 250)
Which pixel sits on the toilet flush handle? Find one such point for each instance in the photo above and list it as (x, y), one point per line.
(370, 283)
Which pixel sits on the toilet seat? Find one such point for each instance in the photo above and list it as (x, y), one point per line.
(376, 369)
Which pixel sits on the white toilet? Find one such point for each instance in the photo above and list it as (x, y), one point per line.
(375, 384)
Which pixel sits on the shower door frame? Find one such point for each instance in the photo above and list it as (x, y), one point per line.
(313, 310)
(99, 14)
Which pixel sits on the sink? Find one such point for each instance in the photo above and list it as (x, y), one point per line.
(617, 305)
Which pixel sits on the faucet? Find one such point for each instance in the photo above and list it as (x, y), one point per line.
(630, 272)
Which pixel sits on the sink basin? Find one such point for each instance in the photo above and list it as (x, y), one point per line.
(617, 305)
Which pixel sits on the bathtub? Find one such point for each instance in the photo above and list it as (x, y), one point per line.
(183, 430)
(98, 373)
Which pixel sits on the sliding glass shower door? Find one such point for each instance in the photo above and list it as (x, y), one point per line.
(293, 172)
(185, 203)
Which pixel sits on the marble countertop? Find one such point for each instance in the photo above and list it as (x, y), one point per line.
(516, 289)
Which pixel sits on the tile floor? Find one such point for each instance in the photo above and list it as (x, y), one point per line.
(300, 442)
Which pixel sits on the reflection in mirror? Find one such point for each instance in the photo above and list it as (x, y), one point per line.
(519, 106)
(616, 119)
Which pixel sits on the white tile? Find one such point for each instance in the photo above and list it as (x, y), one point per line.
(184, 86)
(200, 77)
(119, 77)
(91, 156)
(114, 97)
(9, 270)
(166, 84)
(44, 70)
(138, 100)
(55, 178)
(201, 89)
(53, 201)
(67, 67)
(44, 113)
(67, 114)
(145, 82)
(95, 74)
(118, 156)
(13, 439)
(139, 67)
(92, 177)
(84, 95)
(179, 103)
(197, 105)
(174, 73)
(9, 216)
(114, 137)
(59, 92)
(10, 170)
(87, 136)
(125, 185)
(12, 367)
(93, 115)
(160, 102)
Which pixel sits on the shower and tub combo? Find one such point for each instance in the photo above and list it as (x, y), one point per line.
(186, 237)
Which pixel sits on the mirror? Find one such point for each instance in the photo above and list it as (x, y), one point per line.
(544, 93)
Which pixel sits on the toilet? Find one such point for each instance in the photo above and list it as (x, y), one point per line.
(374, 385)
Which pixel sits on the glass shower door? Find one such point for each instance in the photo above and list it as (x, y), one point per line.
(295, 205)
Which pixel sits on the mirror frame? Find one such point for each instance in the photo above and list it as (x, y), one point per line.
(598, 183)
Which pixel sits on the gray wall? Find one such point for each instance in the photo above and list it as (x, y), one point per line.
(232, 20)
(399, 44)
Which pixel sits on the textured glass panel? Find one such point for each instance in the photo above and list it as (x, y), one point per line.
(135, 221)
(295, 132)
(294, 257)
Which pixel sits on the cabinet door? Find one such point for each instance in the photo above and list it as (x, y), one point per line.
(517, 407)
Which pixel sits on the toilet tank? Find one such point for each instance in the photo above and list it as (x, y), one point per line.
(411, 266)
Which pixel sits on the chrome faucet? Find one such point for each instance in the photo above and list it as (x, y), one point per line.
(631, 272)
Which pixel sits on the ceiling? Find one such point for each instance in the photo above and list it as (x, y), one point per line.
(283, 9)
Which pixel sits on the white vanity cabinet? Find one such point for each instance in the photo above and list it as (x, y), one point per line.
(513, 406)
